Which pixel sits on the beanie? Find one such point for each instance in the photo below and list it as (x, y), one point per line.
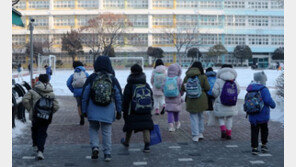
(260, 78)
(43, 78)
(136, 69)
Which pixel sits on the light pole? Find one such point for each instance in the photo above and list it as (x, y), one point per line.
(31, 27)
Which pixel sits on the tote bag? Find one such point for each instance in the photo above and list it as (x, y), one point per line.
(155, 136)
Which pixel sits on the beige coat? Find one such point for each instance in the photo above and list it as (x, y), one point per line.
(31, 97)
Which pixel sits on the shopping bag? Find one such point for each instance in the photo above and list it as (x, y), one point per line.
(155, 136)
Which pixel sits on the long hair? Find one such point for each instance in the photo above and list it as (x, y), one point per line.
(198, 65)
(158, 62)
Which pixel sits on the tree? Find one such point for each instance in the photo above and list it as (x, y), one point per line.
(217, 50)
(278, 54)
(242, 52)
(109, 51)
(104, 31)
(155, 52)
(194, 53)
(71, 43)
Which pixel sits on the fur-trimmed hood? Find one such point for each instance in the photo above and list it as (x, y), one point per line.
(227, 74)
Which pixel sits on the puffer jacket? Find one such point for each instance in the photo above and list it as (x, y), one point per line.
(200, 104)
(76, 91)
(220, 110)
(31, 97)
(174, 104)
(158, 69)
(264, 115)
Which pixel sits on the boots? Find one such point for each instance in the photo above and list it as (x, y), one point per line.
(228, 134)
(163, 110)
(223, 131)
(81, 120)
(157, 111)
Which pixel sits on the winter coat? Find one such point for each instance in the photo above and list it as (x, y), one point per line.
(158, 69)
(174, 104)
(264, 115)
(31, 97)
(48, 72)
(101, 113)
(220, 110)
(199, 104)
(211, 75)
(76, 91)
(135, 121)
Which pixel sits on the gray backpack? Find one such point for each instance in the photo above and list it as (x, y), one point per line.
(79, 79)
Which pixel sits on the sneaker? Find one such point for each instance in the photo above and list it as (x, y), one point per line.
(264, 148)
(95, 153)
(223, 134)
(178, 125)
(195, 138)
(146, 148)
(171, 128)
(40, 155)
(81, 120)
(200, 136)
(123, 142)
(255, 151)
(107, 157)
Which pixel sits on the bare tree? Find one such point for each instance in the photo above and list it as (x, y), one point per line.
(71, 43)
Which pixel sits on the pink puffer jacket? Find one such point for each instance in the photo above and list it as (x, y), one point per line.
(158, 69)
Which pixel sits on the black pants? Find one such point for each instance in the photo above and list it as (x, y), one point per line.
(255, 133)
(39, 134)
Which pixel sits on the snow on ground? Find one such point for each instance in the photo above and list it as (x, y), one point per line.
(19, 126)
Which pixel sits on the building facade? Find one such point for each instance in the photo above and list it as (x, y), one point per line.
(256, 23)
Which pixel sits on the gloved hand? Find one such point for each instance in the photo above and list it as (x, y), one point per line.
(118, 115)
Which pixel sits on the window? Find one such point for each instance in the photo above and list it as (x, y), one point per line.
(163, 3)
(276, 4)
(64, 4)
(137, 4)
(64, 21)
(232, 4)
(235, 39)
(18, 39)
(258, 4)
(210, 4)
(83, 20)
(209, 39)
(160, 39)
(186, 20)
(258, 39)
(113, 4)
(137, 39)
(277, 21)
(162, 20)
(168, 58)
(41, 21)
(21, 4)
(41, 38)
(258, 21)
(88, 4)
(138, 20)
(57, 39)
(277, 40)
(39, 4)
(187, 3)
(235, 20)
(89, 39)
(209, 20)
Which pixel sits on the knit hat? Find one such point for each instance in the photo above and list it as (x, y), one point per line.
(43, 78)
(136, 69)
(260, 78)
(209, 69)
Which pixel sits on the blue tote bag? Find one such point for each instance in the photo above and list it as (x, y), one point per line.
(155, 136)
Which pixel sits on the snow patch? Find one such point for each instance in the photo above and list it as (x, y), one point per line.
(20, 126)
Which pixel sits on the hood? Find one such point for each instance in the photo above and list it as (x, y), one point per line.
(160, 69)
(137, 78)
(211, 74)
(255, 87)
(193, 72)
(227, 74)
(43, 88)
(103, 64)
(174, 70)
(79, 68)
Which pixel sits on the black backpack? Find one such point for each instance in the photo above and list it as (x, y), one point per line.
(43, 109)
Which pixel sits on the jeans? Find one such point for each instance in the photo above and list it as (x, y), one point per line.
(173, 117)
(227, 123)
(255, 133)
(106, 129)
(197, 123)
(146, 136)
(39, 135)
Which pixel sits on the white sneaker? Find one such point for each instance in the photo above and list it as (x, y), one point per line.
(200, 136)
(178, 125)
(40, 155)
(195, 138)
(171, 128)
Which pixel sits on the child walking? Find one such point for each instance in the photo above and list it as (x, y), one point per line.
(225, 90)
(137, 106)
(196, 85)
(173, 94)
(258, 94)
(157, 81)
(41, 104)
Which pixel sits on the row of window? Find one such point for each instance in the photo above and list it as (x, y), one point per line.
(143, 4)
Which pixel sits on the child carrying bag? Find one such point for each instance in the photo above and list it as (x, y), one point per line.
(155, 136)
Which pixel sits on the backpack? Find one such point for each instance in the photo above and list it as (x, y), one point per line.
(101, 91)
(193, 88)
(211, 81)
(141, 99)
(253, 103)
(229, 94)
(158, 80)
(171, 87)
(43, 109)
(79, 79)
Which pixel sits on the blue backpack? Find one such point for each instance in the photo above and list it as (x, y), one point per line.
(158, 80)
(253, 103)
(171, 87)
(141, 100)
(211, 81)
(193, 88)
(229, 94)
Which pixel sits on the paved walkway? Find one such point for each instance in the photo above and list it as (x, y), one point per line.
(68, 144)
